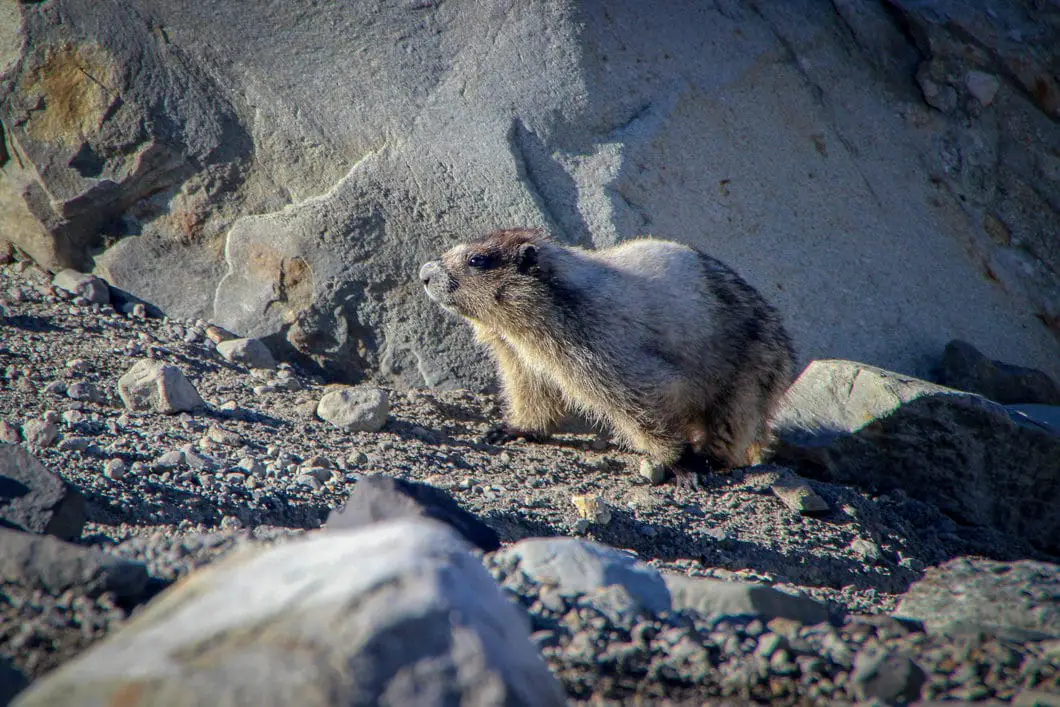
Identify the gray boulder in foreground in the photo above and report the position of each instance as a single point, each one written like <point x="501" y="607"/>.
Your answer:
<point x="1019" y="600"/>
<point x="398" y="613"/>
<point x="880" y="430"/>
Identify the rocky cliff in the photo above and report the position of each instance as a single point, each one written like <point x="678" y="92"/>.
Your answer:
<point x="887" y="172"/>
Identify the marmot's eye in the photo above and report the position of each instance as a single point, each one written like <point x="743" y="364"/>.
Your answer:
<point x="479" y="261"/>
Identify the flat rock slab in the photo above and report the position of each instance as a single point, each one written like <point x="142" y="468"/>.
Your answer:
<point x="576" y="567"/>
<point x="47" y="563"/>
<point x="1017" y="598"/>
<point x="879" y="430"/>
<point x="377" y="498"/>
<point x="398" y="613"/>
<point x="34" y="499"/>
<point x="714" y="597"/>
<point x="159" y="387"/>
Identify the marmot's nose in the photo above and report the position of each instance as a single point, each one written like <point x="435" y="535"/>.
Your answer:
<point x="428" y="271"/>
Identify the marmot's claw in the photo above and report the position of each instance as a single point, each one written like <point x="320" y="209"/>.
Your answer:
<point x="502" y="434"/>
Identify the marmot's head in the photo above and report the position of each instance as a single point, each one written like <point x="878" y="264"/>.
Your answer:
<point x="492" y="280"/>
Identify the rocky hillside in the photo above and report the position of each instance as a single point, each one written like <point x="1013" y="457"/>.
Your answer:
<point x="887" y="171"/>
<point x="910" y="558"/>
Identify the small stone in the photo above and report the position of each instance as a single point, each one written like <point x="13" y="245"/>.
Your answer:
<point x="318" y="472"/>
<point x="887" y="676"/>
<point x="982" y="86"/>
<point x="74" y="444"/>
<point x="139" y="310"/>
<point x="592" y="509"/>
<point x="9" y="434"/>
<point x="252" y="466"/>
<point x="310" y="481"/>
<point x="653" y="472"/>
<point x="250" y="352"/>
<point x="355" y="409"/>
<point x="139" y="468"/>
<point x="115" y="469"/>
<point x="223" y="436"/>
<point x="157" y="386"/>
<point x="867" y="550"/>
<point x="90" y="287"/>
<point x="40" y="433"/>
<point x="72" y="417"/>
<point x="357" y="459"/>
<point x="216" y="334"/>
<point x="798" y="495"/>
<point x="169" y="460"/>
<point x="56" y="388"/>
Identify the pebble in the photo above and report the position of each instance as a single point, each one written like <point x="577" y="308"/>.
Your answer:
<point x="592" y="509"/>
<point x="252" y="466"/>
<point x="115" y="469"/>
<point x="654" y="473"/>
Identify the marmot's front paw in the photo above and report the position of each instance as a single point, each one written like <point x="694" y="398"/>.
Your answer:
<point x="502" y="434"/>
<point x="687" y="479"/>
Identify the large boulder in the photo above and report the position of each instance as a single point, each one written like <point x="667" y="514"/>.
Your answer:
<point x="397" y="613"/>
<point x="862" y="425"/>
<point x="288" y="190"/>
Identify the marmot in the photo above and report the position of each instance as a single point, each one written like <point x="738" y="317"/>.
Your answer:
<point x="667" y="345"/>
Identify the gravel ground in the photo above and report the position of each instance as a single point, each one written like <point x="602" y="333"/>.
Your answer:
<point x="257" y="466"/>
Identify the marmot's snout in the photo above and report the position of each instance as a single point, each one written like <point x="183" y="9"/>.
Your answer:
<point x="436" y="282"/>
<point x="428" y="271"/>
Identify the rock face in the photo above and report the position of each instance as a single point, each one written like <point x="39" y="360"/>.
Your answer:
<point x="399" y="613"/>
<point x="36" y="500"/>
<point x="879" y="430"/>
<point x="1017" y="599"/>
<point x="289" y="190"/>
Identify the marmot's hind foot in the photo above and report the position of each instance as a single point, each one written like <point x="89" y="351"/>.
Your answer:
<point x="502" y="434"/>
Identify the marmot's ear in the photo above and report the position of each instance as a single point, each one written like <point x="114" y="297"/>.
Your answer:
<point x="527" y="258"/>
